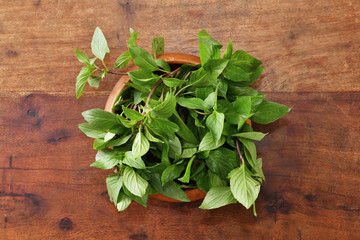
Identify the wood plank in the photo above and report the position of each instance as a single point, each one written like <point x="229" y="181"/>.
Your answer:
<point x="305" y="45"/>
<point x="311" y="167"/>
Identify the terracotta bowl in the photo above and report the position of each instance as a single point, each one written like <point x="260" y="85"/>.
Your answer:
<point x="171" y="58"/>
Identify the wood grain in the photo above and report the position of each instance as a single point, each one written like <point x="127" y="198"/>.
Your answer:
<point x="311" y="50"/>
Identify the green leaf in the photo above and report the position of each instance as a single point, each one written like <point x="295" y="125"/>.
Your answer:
<point x="169" y="189"/>
<point x="140" y="145"/>
<point x="114" y="183"/>
<point x="82" y="57"/>
<point x="186" y="177"/>
<point x="175" y="149"/>
<point x="173" y="82"/>
<point x="250" y="146"/>
<point x="215" y="123"/>
<point x="244" y="188"/>
<point x="143" y="78"/>
<point x="194" y="115"/>
<point x="166" y="108"/>
<point x="209" y="48"/>
<point x="132" y="162"/>
<point x="119" y="141"/>
<point x="123" y="202"/>
<point x="269" y="112"/>
<point x="141" y="200"/>
<point x="91" y="131"/>
<point x="208" y="143"/>
<point x="100" y="119"/>
<point x="215" y="180"/>
<point x="99" y="46"/>
<point x="134" y="182"/>
<point x="191" y="103"/>
<point x="151" y="137"/>
<point x="258" y="168"/>
<point x="218" y="197"/>
<point x="127" y="123"/>
<point x="157" y="45"/>
<point x="163" y="125"/>
<point x="142" y="58"/>
<point x="163" y="64"/>
<point x="215" y="66"/>
<point x="228" y="51"/>
<point x="109" y="136"/>
<point x="188" y="152"/>
<point x="203" y="92"/>
<point x="172" y="172"/>
<point x="257" y="136"/>
<point x="99" y="144"/>
<point x="123" y="60"/>
<point x="94" y="81"/>
<point x="236" y="73"/>
<point x="184" y="132"/>
<point x="132" y="114"/>
<point x="239" y="111"/>
<point x="209" y="102"/>
<point x="81" y="80"/>
<point x="105" y="160"/>
<point x="133" y="37"/>
<point x="221" y="161"/>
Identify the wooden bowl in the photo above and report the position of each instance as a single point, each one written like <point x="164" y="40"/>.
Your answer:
<point x="171" y="58"/>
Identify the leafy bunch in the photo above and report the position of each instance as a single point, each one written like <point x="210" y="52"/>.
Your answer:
<point x="176" y="127"/>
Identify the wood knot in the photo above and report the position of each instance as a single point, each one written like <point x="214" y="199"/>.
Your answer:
<point x="66" y="224"/>
<point x="278" y="205"/>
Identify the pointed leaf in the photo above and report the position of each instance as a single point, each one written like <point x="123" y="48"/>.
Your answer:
<point x="134" y="182"/>
<point x="218" y="197"/>
<point x="99" y="45"/>
<point x="140" y="145"/>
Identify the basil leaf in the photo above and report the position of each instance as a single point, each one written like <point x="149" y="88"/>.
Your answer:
<point x="143" y="78"/>
<point x="172" y="172"/>
<point x="133" y="37"/>
<point x="166" y="108"/>
<point x="109" y="136"/>
<point x="217" y="197"/>
<point x="221" y="161"/>
<point x="157" y="45"/>
<point x="132" y="114"/>
<point x="251" y="148"/>
<point x="123" y="60"/>
<point x="163" y="64"/>
<point x="141" y="200"/>
<point x="192" y="103"/>
<point x="184" y="132"/>
<point x="82" y="57"/>
<point x="99" y="46"/>
<point x="209" y="48"/>
<point x="228" y="51"/>
<point x="269" y="112"/>
<point x="114" y="184"/>
<point x="169" y="189"/>
<point x="123" y="202"/>
<point x="257" y="136"/>
<point x="215" y="180"/>
<point x="100" y="119"/>
<point x="94" y="81"/>
<point x="215" y="123"/>
<point x="208" y="143"/>
<point x="173" y="82"/>
<point x="105" y="160"/>
<point x="142" y="58"/>
<point x="91" y="131"/>
<point x="175" y="149"/>
<point x="244" y="188"/>
<point x="140" y="145"/>
<point x="163" y="125"/>
<point x="81" y="80"/>
<point x="150" y="137"/>
<point x="99" y="144"/>
<point x="188" y="152"/>
<point x="119" y="141"/>
<point x="132" y="162"/>
<point x="134" y="182"/>
<point x="258" y="168"/>
<point x="186" y="177"/>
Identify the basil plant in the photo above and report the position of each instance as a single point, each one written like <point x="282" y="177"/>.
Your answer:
<point x="178" y="127"/>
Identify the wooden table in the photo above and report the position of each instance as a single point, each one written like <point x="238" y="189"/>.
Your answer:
<point x="311" y="50"/>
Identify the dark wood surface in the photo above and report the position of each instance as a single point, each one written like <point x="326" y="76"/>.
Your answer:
<point x="311" y="50"/>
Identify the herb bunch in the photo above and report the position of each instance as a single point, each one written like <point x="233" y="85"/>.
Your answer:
<point x="179" y="127"/>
